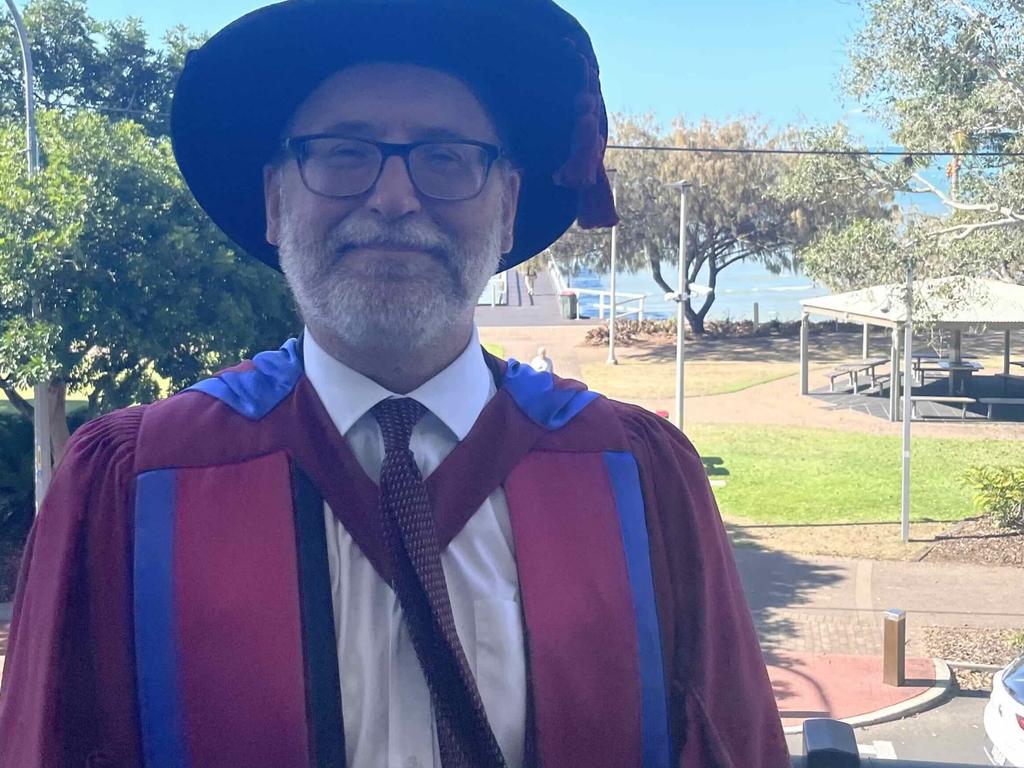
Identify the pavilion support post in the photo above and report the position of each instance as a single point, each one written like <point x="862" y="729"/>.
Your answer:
<point x="804" y="330"/>
<point x="1006" y="353"/>
<point x="955" y="354"/>
<point x="866" y="342"/>
<point x="894" y="383"/>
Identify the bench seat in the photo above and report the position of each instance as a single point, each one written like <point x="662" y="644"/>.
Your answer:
<point x="960" y="400"/>
<point x="994" y="401"/>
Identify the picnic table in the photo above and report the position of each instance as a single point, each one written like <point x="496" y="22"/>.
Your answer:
<point x="959" y="371"/>
<point x="854" y="370"/>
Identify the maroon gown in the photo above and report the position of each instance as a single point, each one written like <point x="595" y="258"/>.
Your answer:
<point x="208" y="641"/>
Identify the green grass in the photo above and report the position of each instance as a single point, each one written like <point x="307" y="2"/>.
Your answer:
<point x="495" y="349"/>
<point x="799" y="476"/>
<point x="631" y="379"/>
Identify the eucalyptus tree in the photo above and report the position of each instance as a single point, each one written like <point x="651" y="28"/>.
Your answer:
<point x="737" y="210"/>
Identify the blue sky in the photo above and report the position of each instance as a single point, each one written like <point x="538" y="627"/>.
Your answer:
<point x="780" y="59"/>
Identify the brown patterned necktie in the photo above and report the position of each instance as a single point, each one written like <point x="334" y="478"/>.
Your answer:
<point x="463" y="733"/>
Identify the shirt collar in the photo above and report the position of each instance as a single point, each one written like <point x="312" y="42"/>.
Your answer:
<point x="456" y="395"/>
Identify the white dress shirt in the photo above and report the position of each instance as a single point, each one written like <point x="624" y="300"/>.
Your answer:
<point x="385" y="700"/>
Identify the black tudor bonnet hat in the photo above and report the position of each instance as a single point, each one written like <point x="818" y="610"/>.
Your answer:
<point x="529" y="62"/>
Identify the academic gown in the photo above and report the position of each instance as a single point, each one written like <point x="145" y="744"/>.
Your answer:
<point x="174" y="603"/>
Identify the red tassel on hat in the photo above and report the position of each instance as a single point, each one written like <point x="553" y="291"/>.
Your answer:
<point x="584" y="170"/>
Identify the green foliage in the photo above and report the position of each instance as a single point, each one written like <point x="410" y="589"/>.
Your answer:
<point x="16" y="489"/>
<point x="945" y="77"/>
<point x="998" y="492"/>
<point x="84" y="64"/>
<point x="130" y="277"/>
<point x="17" y="492"/>
<point x="1017" y="641"/>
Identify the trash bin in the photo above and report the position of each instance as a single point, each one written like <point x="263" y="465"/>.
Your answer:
<point x="568" y="305"/>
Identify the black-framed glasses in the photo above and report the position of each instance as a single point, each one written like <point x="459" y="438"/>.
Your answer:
<point x="340" y="166"/>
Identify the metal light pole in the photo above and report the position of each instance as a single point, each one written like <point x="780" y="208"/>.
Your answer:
<point x="908" y="367"/>
<point x="681" y="296"/>
<point x="41" y="411"/>
<point x="613" y="176"/>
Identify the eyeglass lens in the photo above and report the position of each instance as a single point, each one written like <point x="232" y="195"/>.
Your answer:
<point x="446" y="170"/>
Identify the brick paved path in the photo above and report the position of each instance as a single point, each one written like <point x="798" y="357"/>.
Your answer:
<point x="827" y="605"/>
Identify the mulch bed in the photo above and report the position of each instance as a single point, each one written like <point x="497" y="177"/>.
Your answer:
<point x="974" y="646"/>
<point x="10" y="560"/>
<point x="981" y="542"/>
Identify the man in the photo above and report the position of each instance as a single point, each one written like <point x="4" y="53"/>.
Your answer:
<point x="541" y="362"/>
<point x="379" y="546"/>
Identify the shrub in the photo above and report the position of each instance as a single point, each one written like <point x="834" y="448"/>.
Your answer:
<point x="998" y="492"/>
<point x="17" y="492"/>
<point x="1017" y="641"/>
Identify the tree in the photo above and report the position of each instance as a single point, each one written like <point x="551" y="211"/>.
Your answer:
<point x="948" y="76"/>
<point x="85" y="64"/>
<point x="110" y="274"/>
<point x="736" y="211"/>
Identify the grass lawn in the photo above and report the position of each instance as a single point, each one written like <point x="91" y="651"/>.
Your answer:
<point x="790" y="475"/>
<point x="632" y="379"/>
<point x="495" y="349"/>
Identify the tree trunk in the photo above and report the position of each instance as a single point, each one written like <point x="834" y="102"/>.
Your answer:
<point x="655" y="263"/>
<point x="696" y="318"/>
<point x="21" y="405"/>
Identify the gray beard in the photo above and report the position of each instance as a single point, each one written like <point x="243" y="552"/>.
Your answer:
<point x="385" y="306"/>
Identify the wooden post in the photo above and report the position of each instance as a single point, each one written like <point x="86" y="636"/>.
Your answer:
<point x="894" y="647"/>
<point x="1006" y="353"/>
<point x="757" y="316"/>
<point x="866" y="342"/>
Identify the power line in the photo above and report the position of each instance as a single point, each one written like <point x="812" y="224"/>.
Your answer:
<point x="827" y="152"/>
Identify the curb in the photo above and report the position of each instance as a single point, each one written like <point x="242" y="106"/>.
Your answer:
<point x="930" y="698"/>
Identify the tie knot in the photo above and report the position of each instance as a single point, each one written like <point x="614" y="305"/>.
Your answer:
<point x="397" y="417"/>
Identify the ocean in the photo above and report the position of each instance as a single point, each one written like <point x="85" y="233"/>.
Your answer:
<point x="739" y="286"/>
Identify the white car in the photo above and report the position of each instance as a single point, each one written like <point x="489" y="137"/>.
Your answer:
<point x="1004" y="716"/>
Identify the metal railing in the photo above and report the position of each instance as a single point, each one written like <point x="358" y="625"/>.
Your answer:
<point x="604" y="303"/>
<point x="832" y="744"/>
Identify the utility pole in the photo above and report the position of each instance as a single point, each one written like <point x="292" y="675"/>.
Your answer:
<point x="613" y="174"/>
<point x="41" y="410"/>
<point x="908" y="367"/>
<point x="681" y="296"/>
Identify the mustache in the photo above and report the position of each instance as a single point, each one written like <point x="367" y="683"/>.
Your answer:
<point x="415" y="235"/>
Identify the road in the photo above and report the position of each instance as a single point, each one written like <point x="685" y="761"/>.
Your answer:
<point x="951" y="732"/>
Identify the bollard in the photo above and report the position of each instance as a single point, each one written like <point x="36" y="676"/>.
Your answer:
<point x="894" y="647"/>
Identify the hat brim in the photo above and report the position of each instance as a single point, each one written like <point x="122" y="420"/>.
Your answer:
<point x="238" y="91"/>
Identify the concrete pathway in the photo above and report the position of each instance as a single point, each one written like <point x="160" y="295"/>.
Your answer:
<point x="522" y="309"/>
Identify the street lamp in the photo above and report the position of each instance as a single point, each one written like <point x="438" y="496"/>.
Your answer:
<point x="41" y="411"/>
<point x="613" y="178"/>
<point x="680" y="299"/>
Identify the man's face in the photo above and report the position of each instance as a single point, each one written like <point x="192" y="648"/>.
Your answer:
<point x="389" y="267"/>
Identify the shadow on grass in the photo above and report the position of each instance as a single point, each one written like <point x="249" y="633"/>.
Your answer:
<point x="714" y="466"/>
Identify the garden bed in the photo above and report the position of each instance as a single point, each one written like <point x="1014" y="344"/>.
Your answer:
<point x="979" y="541"/>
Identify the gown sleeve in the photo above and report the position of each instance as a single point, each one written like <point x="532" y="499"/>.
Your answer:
<point x="721" y="703"/>
<point x="67" y="696"/>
